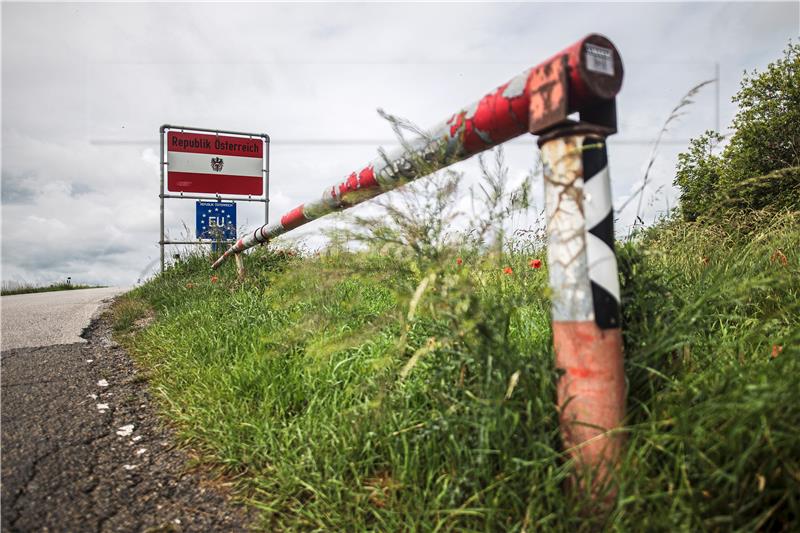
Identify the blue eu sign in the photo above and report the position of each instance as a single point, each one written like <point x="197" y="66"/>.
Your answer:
<point x="216" y="220"/>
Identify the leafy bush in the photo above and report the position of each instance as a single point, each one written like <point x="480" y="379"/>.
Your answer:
<point x="760" y="166"/>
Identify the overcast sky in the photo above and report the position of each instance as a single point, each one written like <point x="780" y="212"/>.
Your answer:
<point x="85" y="88"/>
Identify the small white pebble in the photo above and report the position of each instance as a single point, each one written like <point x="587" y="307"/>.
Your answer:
<point x="125" y="431"/>
<point x="137" y="438"/>
<point x="177" y="521"/>
<point x="90" y="360"/>
<point x="92" y="396"/>
<point x="102" y="407"/>
<point x="129" y="467"/>
<point x="140" y="451"/>
<point x="102" y="383"/>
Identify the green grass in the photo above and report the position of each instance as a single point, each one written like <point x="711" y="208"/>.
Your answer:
<point x="27" y="288"/>
<point x="339" y="409"/>
<point x="126" y="312"/>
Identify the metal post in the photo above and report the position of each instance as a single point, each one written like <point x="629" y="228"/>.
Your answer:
<point x="583" y="269"/>
<point x="716" y="96"/>
<point x="266" y="179"/>
<point x="161" y="196"/>
<point x="239" y="266"/>
<point x="586" y="300"/>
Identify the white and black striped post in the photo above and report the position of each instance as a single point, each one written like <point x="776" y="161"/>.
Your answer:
<point x="586" y="299"/>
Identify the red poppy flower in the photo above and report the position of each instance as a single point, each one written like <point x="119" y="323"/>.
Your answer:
<point x="459" y="261"/>
<point x="535" y="263"/>
<point x="214" y="278"/>
<point x="776" y="349"/>
<point x="508" y="270"/>
<point x="779" y="257"/>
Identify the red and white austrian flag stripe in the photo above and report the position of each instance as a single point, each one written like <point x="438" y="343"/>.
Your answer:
<point x="230" y="165"/>
<point x="199" y="153"/>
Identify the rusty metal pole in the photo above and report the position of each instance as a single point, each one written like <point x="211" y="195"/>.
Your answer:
<point x="583" y="269"/>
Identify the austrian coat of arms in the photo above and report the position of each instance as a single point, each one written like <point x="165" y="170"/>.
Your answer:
<point x="216" y="164"/>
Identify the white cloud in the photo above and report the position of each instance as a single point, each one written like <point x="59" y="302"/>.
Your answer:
<point x="76" y="74"/>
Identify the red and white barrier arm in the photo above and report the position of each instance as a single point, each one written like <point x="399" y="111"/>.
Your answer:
<point x="575" y="79"/>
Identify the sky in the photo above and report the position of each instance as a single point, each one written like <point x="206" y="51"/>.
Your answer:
<point x="85" y="88"/>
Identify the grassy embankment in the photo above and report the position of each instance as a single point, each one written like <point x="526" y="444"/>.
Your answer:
<point x="27" y="288"/>
<point x="347" y="393"/>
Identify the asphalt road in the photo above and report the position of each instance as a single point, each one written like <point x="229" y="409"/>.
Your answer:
<point x="82" y="446"/>
<point x="48" y="318"/>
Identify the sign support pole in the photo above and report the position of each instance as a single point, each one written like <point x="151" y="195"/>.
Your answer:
<point x="161" y="196"/>
<point x="239" y="266"/>
<point x="266" y="178"/>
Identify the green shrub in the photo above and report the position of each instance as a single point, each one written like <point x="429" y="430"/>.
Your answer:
<point x="760" y="166"/>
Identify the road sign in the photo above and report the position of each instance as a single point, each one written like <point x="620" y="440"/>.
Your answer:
<point x="195" y="162"/>
<point x="216" y="220"/>
<point x="215" y="164"/>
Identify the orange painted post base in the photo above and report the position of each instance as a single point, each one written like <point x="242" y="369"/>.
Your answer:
<point x="591" y="398"/>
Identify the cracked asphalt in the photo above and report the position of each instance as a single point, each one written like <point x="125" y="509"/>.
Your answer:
<point x="83" y="448"/>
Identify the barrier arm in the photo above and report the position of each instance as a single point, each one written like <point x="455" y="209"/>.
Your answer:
<point x="583" y="78"/>
<point x="501" y="115"/>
